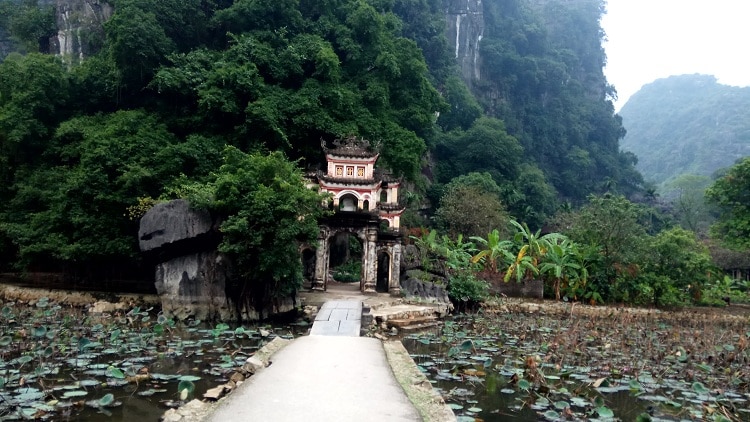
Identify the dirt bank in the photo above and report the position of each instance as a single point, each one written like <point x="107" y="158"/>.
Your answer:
<point x="733" y="313"/>
<point x="31" y="295"/>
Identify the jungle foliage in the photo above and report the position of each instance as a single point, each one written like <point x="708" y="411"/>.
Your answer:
<point x="731" y="193"/>
<point x="269" y="212"/>
<point x="174" y="82"/>
<point x="604" y="252"/>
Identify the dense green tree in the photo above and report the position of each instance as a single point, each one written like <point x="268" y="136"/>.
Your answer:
<point x="731" y="193"/>
<point x="687" y="193"/>
<point x="29" y="23"/>
<point x="485" y="147"/>
<point x="675" y="266"/>
<point x="612" y="224"/>
<point x="71" y="213"/>
<point x="267" y="211"/>
<point x="33" y="95"/>
<point x="463" y="107"/>
<point x="531" y="196"/>
<point x="138" y="45"/>
<point x="470" y="211"/>
<point x="326" y="74"/>
<point x="424" y="22"/>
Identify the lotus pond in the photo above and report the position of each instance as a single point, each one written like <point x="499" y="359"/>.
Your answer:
<point x="62" y="364"/>
<point x="529" y="367"/>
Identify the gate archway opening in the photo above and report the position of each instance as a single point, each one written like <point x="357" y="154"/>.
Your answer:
<point x="308" y="266"/>
<point x="346" y="259"/>
<point x="384" y="272"/>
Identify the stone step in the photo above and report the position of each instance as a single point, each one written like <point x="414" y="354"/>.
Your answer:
<point x="407" y="312"/>
<point x="418" y="327"/>
<point x="366" y="321"/>
<point x="408" y="322"/>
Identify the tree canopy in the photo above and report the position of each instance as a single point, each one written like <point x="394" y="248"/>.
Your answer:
<point x="172" y="82"/>
<point x="731" y="193"/>
<point x="268" y="211"/>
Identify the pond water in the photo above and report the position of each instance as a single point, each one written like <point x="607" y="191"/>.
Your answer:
<point x="530" y="367"/>
<point x="61" y="364"/>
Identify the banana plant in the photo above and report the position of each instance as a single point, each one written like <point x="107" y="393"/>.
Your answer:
<point x="494" y="251"/>
<point x="531" y="248"/>
<point x="457" y="253"/>
<point x="560" y="264"/>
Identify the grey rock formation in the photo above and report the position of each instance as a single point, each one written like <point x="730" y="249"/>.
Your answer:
<point x="170" y="222"/>
<point x="410" y="258"/>
<point x="194" y="286"/>
<point x="425" y="290"/>
<point x="80" y="26"/>
<point x="191" y="276"/>
<point x="465" y="28"/>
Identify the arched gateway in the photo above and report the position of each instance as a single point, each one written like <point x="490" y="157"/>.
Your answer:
<point x="365" y="205"/>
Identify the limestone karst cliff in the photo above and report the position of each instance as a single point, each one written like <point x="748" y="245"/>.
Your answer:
<point x="80" y="27"/>
<point x="465" y="28"/>
<point x="80" y="30"/>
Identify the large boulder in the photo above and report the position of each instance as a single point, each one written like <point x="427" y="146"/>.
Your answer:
<point x="424" y="290"/>
<point x="410" y="258"/>
<point x="192" y="278"/>
<point x="169" y="223"/>
<point x="194" y="286"/>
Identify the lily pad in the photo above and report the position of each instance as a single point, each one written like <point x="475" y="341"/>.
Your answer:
<point x="605" y="412"/>
<point x="74" y="393"/>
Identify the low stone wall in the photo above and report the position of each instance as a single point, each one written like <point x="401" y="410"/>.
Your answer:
<point x="533" y="289"/>
<point x="428" y="402"/>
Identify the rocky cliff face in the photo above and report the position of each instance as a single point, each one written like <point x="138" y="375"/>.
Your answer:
<point x="80" y="26"/>
<point x="465" y="28"/>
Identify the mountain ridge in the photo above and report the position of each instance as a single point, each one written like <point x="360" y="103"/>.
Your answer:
<point x="686" y="124"/>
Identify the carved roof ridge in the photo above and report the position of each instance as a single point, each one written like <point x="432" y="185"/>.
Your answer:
<point x="351" y="146"/>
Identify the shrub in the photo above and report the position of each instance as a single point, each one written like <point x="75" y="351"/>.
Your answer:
<point x="466" y="291"/>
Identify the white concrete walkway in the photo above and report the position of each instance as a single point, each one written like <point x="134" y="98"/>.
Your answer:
<point x="321" y="378"/>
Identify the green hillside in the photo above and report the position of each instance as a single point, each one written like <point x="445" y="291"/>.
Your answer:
<point x="175" y="81"/>
<point x="686" y="124"/>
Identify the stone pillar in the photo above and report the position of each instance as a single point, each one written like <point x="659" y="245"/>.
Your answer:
<point x="394" y="283"/>
<point x="321" y="261"/>
<point x="371" y="261"/>
<point x="360" y="204"/>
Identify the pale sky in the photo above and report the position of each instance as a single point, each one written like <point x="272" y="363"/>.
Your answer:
<point x="652" y="39"/>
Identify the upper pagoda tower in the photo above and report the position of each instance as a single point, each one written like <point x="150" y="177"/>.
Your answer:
<point x="354" y="183"/>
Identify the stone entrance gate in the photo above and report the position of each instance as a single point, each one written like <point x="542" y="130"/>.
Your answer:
<point x="375" y="242"/>
<point x="365" y="204"/>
